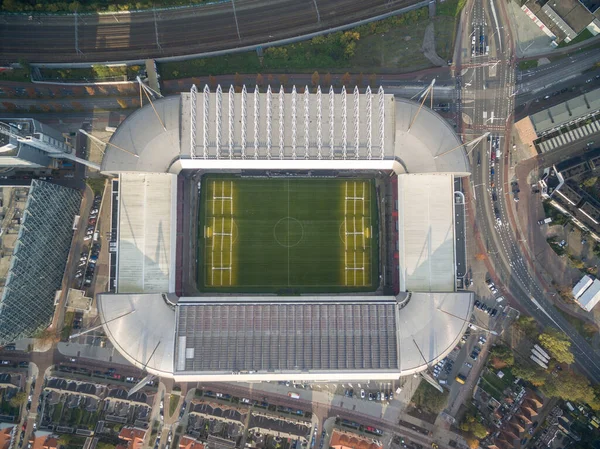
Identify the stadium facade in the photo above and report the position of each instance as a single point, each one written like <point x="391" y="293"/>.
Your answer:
<point x="38" y="261"/>
<point x="160" y="325"/>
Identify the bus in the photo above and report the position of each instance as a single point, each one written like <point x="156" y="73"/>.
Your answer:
<point x="461" y="379"/>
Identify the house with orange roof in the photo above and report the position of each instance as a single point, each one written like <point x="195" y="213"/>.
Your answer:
<point x="133" y="436"/>
<point x="5" y="436"/>
<point x="45" y="442"/>
<point x="189" y="443"/>
<point x="347" y="440"/>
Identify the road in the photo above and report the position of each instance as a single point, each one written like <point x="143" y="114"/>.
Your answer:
<point x="499" y="239"/>
<point x="179" y="31"/>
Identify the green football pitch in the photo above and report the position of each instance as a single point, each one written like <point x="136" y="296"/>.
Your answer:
<point x="292" y="235"/>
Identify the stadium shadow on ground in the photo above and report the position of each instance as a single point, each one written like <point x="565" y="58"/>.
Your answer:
<point x="287" y="236"/>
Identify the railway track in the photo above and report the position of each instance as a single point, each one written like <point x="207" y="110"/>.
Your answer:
<point x="164" y="33"/>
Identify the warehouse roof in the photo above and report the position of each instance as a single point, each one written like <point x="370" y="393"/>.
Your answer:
<point x="582" y="286"/>
<point x="568" y="111"/>
<point x="426" y="233"/>
<point x="573" y="13"/>
<point x="590" y="297"/>
<point x="147" y="214"/>
<point x="308" y="337"/>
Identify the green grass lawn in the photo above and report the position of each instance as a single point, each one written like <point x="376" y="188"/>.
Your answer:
<point x="526" y="65"/>
<point x="584" y="35"/>
<point x="287" y="235"/>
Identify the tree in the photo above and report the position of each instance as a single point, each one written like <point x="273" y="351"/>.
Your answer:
<point x="22" y="62"/>
<point x="471" y="424"/>
<point x="359" y="80"/>
<point x="101" y="71"/>
<point x="314" y="79"/>
<point x="478" y="430"/>
<point x="535" y="376"/>
<point x="502" y="356"/>
<point x="528" y="325"/>
<point x="270" y="79"/>
<point x="9" y="106"/>
<point x="373" y="80"/>
<point x="260" y="80"/>
<point x="125" y="89"/>
<point x="345" y="79"/>
<point x="327" y="79"/>
<point x="31" y="93"/>
<point x="589" y="182"/>
<point x="238" y="80"/>
<point x="558" y="345"/>
<point x="122" y="103"/>
<point x="472" y="442"/>
<point x="18" y="399"/>
<point x="283" y="79"/>
<point x="570" y="387"/>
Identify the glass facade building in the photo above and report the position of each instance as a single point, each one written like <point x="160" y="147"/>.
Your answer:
<point x="38" y="262"/>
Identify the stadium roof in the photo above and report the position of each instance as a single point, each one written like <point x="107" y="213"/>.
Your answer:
<point x="426" y="233"/>
<point x="147" y="214"/>
<point x="142" y="328"/>
<point x="308" y="337"/>
<point x="388" y="137"/>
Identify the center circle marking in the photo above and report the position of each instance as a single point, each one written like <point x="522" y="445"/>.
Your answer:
<point x="288" y="232"/>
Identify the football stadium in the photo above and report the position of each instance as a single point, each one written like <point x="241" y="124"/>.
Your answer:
<point x="284" y="235"/>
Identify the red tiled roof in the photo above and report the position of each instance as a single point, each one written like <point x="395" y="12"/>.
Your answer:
<point x="189" y="443"/>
